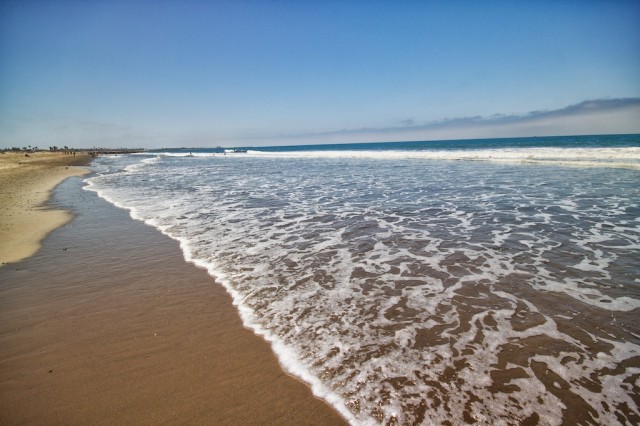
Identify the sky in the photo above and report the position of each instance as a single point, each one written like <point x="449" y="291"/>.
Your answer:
<point x="197" y="73"/>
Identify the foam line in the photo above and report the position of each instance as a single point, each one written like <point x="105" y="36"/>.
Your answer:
<point x="373" y="280"/>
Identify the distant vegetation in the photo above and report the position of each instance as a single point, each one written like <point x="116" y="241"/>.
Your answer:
<point x="31" y="149"/>
<point x="68" y="150"/>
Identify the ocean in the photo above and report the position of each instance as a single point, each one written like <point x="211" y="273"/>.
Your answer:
<point x="479" y="281"/>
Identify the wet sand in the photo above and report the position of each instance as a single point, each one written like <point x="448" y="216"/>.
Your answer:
<point x="25" y="185"/>
<point x="107" y="324"/>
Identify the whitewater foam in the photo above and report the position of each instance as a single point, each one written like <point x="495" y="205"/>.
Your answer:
<point x="401" y="292"/>
<point x="628" y="157"/>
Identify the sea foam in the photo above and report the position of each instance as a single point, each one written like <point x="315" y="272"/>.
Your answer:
<point x="413" y="288"/>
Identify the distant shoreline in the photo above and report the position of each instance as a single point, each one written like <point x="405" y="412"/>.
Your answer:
<point x="26" y="181"/>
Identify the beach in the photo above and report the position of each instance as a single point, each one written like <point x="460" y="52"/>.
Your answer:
<point x="107" y="324"/>
<point x="401" y="284"/>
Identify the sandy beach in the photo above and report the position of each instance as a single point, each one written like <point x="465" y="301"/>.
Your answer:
<point x="25" y="186"/>
<point x="107" y="324"/>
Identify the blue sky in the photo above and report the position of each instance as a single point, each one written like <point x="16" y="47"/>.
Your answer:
<point x="207" y="73"/>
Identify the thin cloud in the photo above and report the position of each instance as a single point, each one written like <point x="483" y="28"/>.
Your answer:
<point x="598" y="116"/>
<point x="590" y="107"/>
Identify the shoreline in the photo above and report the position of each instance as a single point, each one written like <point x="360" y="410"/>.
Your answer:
<point x="107" y="323"/>
<point x="26" y="183"/>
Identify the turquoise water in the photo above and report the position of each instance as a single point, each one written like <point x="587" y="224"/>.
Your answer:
<point x="494" y="281"/>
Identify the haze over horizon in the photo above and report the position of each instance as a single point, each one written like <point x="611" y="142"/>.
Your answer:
<point x="159" y="74"/>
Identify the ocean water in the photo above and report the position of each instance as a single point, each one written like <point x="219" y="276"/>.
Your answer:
<point x="488" y="282"/>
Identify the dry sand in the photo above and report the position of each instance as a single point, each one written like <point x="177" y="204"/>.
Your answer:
<point x="25" y="184"/>
<point x="107" y="324"/>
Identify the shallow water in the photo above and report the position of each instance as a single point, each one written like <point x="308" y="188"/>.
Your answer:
<point x="406" y="287"/>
